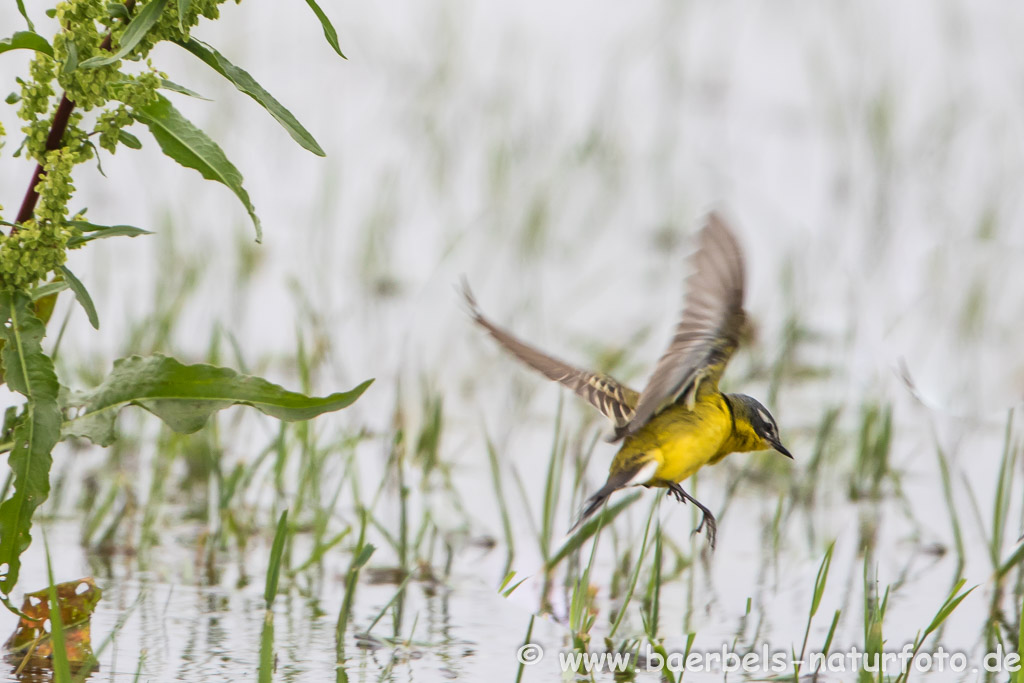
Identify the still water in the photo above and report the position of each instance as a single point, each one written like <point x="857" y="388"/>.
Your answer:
<point x="560" y="158"/>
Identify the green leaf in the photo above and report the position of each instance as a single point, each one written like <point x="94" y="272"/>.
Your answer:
<point x="329" y="33"/>
<point x="274" y="568"/>
<point x="133" y="35"/>
<point x="248" y="85"/>
<point x="174" y="87"/>
<point x="821" y="579"/>
<point x="21" y="9"/>
<point x="182" y="141"/>
<point x="117" y="10"/>
<point x="61" y="667"/>
<point x="96" y="232"/>
<point x="185" y="396"/>
<point x="183" y="6"/>
<point x="71" y="63"/>
<point x="83" y="297"/>
<point x="26" y="40"/>
<point x="30" y="373"/>
<point x="1019" y="676"/>
<point x="49" y="288"/>
<point x="128" y="140"/>
<point x="591" y="527"/>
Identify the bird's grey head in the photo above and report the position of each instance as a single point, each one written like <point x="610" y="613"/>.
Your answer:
<point x="761" y="421"/>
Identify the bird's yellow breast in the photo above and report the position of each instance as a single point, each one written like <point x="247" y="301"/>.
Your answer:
<point x="679" y="439"/>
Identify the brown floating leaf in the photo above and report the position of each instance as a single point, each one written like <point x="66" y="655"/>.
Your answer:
<point x="31" y="638"/>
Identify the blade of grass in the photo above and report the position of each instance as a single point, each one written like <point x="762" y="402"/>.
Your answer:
<point x="951" y="602"/>
<point x="551" y="486"/>
<point x="499" y="496"/>
<point x="361" y="555"/>
<point x="61" y="668"/>
<point x="828" y="642"/>
<point x="1001" y="504"/>
<point x="1018" y="677"/>
<point x="602" y="518"/>
<point x="274" y="568"/>
<point x="581" y="618"/>
<point x="526" y="642"/>
<point x="947" y="491"/>
<point x="636" y="569"/>
<point x="266" y="670"/>
<point x="819" y="590"/>
<point x="383" y="611"/>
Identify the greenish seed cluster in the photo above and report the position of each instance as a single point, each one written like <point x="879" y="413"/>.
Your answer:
<point x="38" y="245"/>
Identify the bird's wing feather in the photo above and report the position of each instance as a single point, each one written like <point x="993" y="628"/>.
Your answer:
<point x="614" y="400"/>
<point x="708" y="331"/>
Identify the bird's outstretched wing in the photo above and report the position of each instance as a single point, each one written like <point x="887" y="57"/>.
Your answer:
<point x="708" y="331"/>
<point x="614" y="400"/>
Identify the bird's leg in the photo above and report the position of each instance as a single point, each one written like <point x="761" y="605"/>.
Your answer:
<point x="676" y="491"/>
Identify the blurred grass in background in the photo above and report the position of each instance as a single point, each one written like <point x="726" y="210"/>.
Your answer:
<point x="561" y="158"/>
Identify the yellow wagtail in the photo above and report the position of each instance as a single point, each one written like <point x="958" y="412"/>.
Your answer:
<point x="681" y="421"/>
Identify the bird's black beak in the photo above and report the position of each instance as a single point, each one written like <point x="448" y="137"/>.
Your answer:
<point x="782" y="449"/>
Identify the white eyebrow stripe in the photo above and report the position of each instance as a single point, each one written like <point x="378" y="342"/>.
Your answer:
<point x="765" y="417"/>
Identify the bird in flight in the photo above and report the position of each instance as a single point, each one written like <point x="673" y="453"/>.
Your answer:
<point x="681" y="421"/>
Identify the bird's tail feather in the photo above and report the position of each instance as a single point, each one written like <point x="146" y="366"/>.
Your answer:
<point x="593" y="504"/>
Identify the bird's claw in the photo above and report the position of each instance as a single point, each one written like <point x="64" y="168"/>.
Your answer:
<point x="712" y="528"/>
<point x="707" y="519"/>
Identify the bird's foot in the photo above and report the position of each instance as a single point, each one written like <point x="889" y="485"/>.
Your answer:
<point x="707" y="518"/>
<point x="677" y="492"/>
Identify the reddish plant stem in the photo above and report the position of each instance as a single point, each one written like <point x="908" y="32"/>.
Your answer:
<point x="53" y="141"/>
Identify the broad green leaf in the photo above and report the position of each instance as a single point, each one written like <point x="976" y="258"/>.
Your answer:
<point x="136" y="31"/>
<point x="248" y="85"/>
<point x="182" y="141"/>
<point x="87" y="232"/>
<point x="329" y="33"/>
<point x="185" y="396"/>
<point x="30" y="373"/>
<point x="82" y="294"/>
<point x="26" y="40"/>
